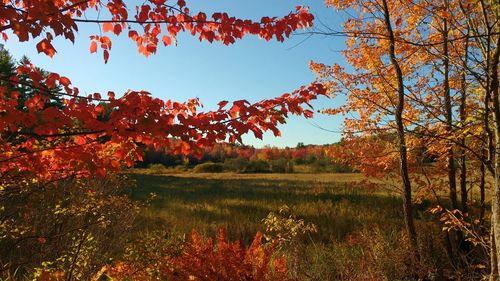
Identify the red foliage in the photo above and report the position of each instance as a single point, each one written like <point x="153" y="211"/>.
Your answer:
<point x="206" y="260"/>
<point x="91" y="135"/>
<point x="153" y="20"/>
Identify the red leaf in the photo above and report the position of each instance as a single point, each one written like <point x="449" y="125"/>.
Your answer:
<point x="166" y="40"/>
<point x="46" y="47"/>
<point x="107" y="26"/>
<point x="222" y="103"/>
<point x="80" y="140"/>
<point x="106" y="56"/>
<point x="101" y="172"/>
<point x="93" y="47"/>
<point x="117" y="29"/>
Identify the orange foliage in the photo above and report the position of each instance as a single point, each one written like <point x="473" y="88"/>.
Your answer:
<point x="207" y="260"/>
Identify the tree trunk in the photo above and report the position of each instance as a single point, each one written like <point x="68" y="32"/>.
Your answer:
<point x="493" y="257"/>
<point x="463" y="117"/>
<point x="482" y="198"/>
<point x="403" y="157"/>
<point x="449" y="117"/>
<point x="495" y="202"/>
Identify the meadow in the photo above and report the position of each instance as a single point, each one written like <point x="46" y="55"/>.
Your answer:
<point x="359" y="228"/>
<point x="205" y="202"/>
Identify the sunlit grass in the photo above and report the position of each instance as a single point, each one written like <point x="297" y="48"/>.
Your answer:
<point x="206" y="202"/>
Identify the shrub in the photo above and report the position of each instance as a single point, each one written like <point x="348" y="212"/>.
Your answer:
<point x="281" y="165"/>
<point x="321" y="166"/>
<point x="257" y="166"/>
<point x="149" y="257"/>
<point x="72" y="226"/>
<point x="341" y="168"/>
<point x="209" y="167"/>
<point x="200" y="259"/>
<point x="156" y="169"/>
<point x="223" y="260"/>
<point x="236" y="164"/>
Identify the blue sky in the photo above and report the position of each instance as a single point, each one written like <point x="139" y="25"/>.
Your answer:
<point x="251" y="69"/>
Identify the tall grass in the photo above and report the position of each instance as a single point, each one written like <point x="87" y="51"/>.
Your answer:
<point x="360" y="235"/>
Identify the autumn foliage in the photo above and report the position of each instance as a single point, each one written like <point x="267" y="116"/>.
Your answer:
<point x="93" y="134"/>
<point x="421" y="111"/>
<point x="152" y="21"/>
<point x="205" y="259"/>
<point x="100" y="132"/>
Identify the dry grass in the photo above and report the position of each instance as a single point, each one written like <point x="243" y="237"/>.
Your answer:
<point x="334" y="202"/>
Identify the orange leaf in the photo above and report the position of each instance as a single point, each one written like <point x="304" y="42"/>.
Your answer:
<point x="107" y="26"/>
<point x="167" y="40"/>
<point x="80" y="140"/>
<point x="64" y="81"/>
<point x="46" y="47"/>
<point x="93" y="47"/>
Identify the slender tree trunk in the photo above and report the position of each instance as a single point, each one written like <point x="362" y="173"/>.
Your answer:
<point x="456" y="237"/>
<point x="482" y="198"/>
<point x="495" y="202"/>
<point x="403" y="157"/>
<point x="463" y="117"/>
<point x="493" y="257"/>
<point x="449" y="117"/>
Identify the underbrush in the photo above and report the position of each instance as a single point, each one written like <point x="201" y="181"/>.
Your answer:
<point x="72" y="226"/>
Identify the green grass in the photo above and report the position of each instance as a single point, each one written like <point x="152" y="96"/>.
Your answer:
<point x="239" y="202"/>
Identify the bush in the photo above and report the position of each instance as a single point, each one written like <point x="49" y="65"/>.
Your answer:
<point x="209" y="167"/>
<point x="222" y="260"/>
<point x="281" y="165"/>
<point x="321" y="166"/>
<point x="257" y="166"/>
<point x="341" y="168"/>
<point x="156" y="169"/>
<point x="204" y="259"/>
<point x="236" y="164"/>
<point x="73" y="226"/>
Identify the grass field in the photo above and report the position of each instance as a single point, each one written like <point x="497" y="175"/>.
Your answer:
<point x="360" y="234"/>
<point x="205" y="202"/>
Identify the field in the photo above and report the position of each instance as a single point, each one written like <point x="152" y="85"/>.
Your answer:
<point x="335" y="203"/>
<point x="359" y="229"/>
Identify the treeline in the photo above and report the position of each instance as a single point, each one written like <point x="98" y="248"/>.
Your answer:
<point x="248" y="159"/>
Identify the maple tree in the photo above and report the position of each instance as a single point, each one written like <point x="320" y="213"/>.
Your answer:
<point x="50" y="138"/>
<point x="46" y="141"/>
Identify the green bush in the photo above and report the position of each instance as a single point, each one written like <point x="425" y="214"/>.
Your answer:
<point x="209" y="167"/>
<point x="341" y="168"/>
<point x="156" y="169"/>
<point x="74" y="225"/>
<point x="236" y="164"/>
<point x="257" y="166"/>
<point x="281" y="165"/>
<point x="321" y="166"/>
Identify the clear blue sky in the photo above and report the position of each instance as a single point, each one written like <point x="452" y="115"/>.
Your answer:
<point x="251" y="69"/>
